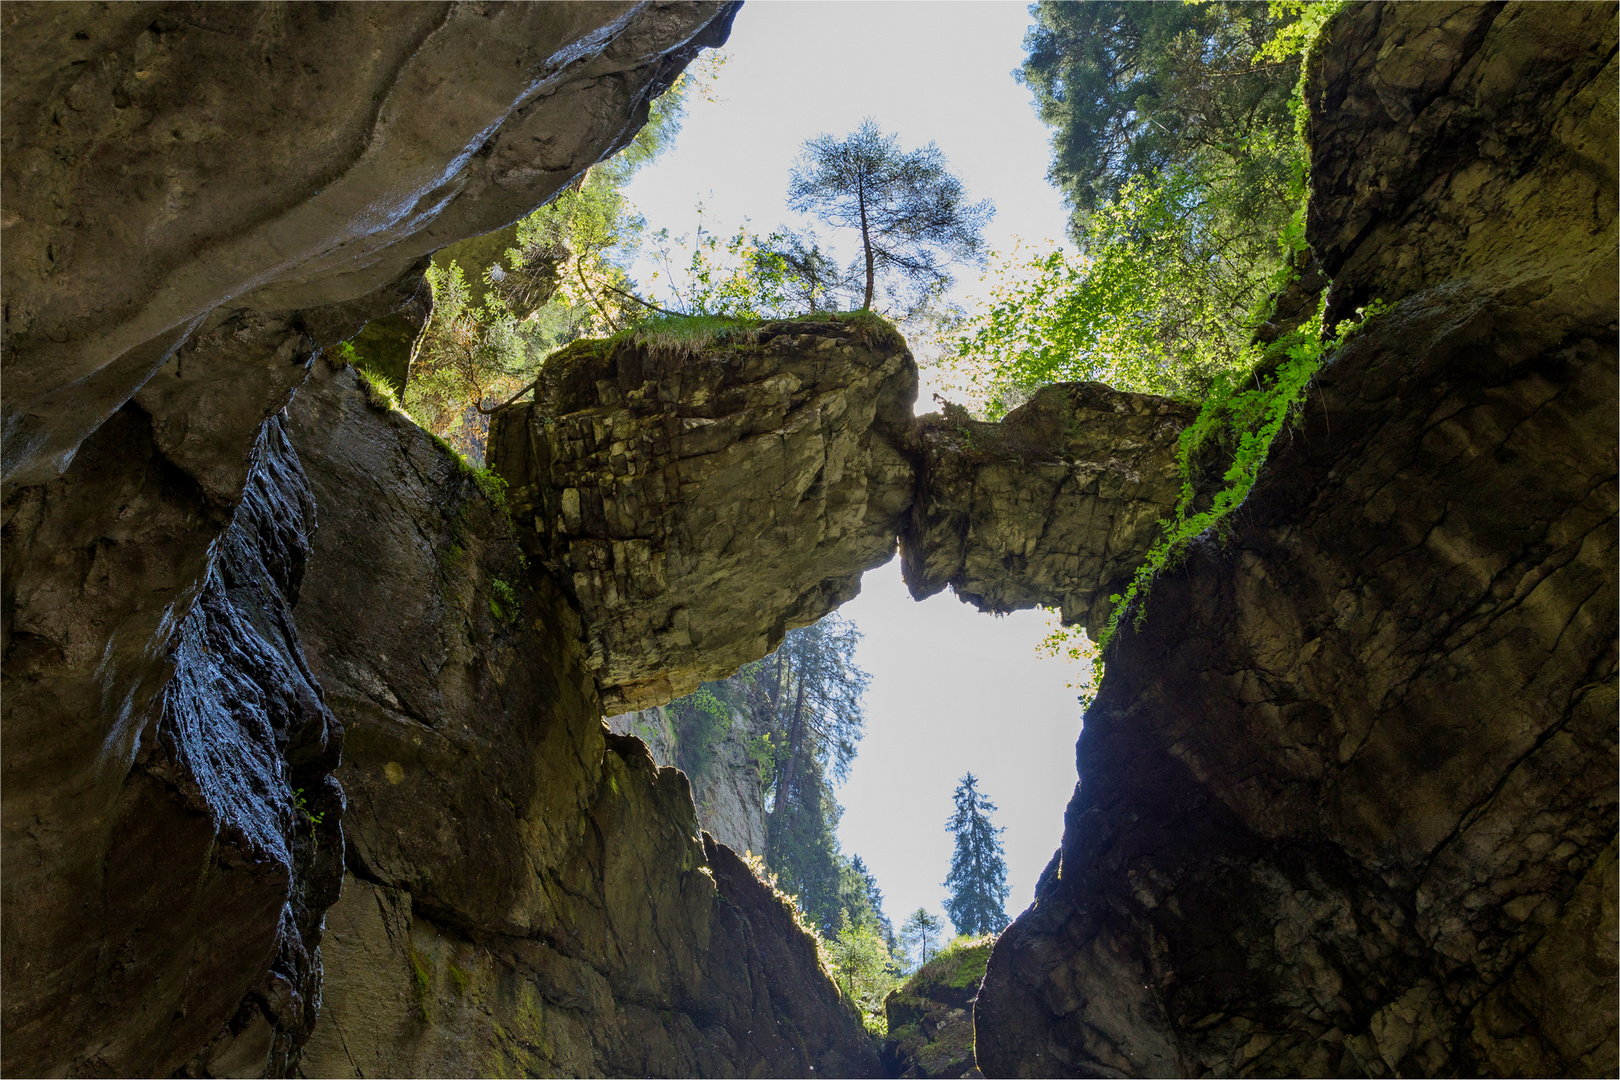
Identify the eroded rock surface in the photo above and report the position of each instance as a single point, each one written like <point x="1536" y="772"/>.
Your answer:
<point x="1054" y="506"/>
<point x="527" y="891"/>
<point x="180" y="159"/>
<point x="701" y="501"/>
<point x="1351" y="788"/>
<point x="171" y="826"/>
<point x="930" y="1016"/>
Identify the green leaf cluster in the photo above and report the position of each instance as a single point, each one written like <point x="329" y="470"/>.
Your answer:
<point x="1243" y="418"/>
<point x="1178" y="145"/>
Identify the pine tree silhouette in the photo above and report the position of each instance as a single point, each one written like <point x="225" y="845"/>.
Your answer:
<point x="978" y="877"/>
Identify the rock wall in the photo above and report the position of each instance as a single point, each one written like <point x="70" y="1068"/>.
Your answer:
<point x="173" y="829"/>
<point x="1054" y="506"/>
<point x="184" y="162"/>
<point x="727" y="791"/>
<point x="213" y="193"/>
<point x="527" y="892"/>
<point x="930" y="1015"/>
<point x="699" y="500"/>
<point x="1347" y="799"/>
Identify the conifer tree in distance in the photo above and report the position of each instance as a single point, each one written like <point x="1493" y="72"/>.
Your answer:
<point x="978" y="877"/>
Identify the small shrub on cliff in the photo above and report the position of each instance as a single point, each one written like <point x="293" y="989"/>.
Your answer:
<point x="1243" y="417"/>
<point x="865" y="971"/>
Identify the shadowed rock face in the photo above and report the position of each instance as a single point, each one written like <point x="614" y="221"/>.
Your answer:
<point x="198" y="197"/>
<point x="167" y="874"/>
<point x="527" y="892"/>
<point x="1347" y="798"/>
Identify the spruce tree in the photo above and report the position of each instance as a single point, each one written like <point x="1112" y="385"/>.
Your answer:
<point x="978" y="877"/>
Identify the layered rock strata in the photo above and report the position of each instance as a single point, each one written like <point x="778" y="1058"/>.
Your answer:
<point x="700" y="500"/>
<point x="527" y="892"/>
<point x="1054" y="506"/>
<point x="1347" y="798"/>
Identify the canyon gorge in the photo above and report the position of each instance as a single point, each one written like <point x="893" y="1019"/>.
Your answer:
<point x="304" y="763"/>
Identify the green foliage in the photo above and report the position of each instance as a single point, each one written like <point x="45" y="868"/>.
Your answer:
<point x="1244" y="418"/>
<point x="421" y="981"/>
<point x="493" y="324"/>
<point x="492" y="485"/>
<point x="1133" y="90"/>
<point x="977" y="882"/>
<point x="702" y="720"/>
<point x="911" y="213"/>
<point x="1163" y="301"/>
<point x="1178" y="146"/>
<point x="504" y="604"/>
<point x="864" y="970"/>
<point x="962" y="962"/>
<point x="460" y="979"/>
<point x="802" y="718"/>
<point x="378" y="388"/>
<point x="465" y="353"/>
<point x="301" y="807"/>
<point x="689" y="334"/>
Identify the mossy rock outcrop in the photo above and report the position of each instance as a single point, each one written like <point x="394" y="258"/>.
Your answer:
<point x="931" y="1015"/>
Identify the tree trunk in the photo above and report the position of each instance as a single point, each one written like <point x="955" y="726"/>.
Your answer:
<point x="866" y="241"/>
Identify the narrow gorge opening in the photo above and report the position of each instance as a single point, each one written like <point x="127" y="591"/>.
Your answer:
<point x="336" y="517"/>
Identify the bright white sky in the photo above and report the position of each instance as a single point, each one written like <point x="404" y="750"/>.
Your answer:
<point x="952" y="690"/>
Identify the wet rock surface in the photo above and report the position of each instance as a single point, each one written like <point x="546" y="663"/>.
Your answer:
<point x="166" y="877"/>
<point x="528" y="892"/>
<point x="1351" y="787"/>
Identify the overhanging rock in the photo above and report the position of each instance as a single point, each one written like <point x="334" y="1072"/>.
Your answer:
<point x="1055" y="506"/>
<point x="702" y="500"/>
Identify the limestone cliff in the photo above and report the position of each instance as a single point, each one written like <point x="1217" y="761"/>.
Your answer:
<point x="1347" y="798"/>
<point x="527" y="892"/>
